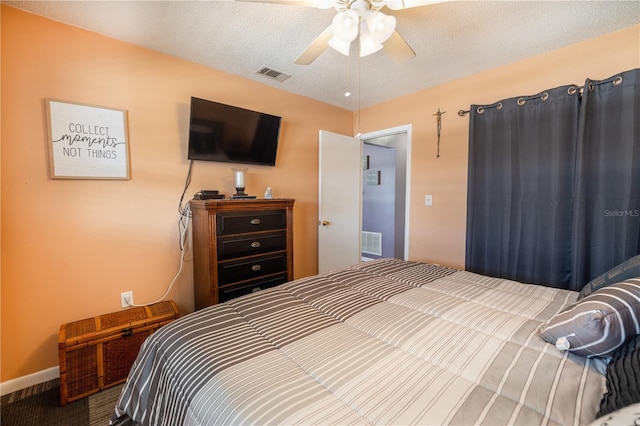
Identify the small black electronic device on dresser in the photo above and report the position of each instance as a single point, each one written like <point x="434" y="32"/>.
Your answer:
<point x="239" y="247"/>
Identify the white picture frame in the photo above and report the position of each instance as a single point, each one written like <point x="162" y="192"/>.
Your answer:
<point x="87" y="141"/>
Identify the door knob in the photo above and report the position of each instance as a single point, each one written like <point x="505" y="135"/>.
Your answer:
<point x="324" y="223"/>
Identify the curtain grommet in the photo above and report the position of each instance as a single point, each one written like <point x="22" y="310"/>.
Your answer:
<point x="545" y="96"/>
<point x="499" y="106"/>
<point x="572" y="90"/>
<point x="617" y="80"/>
<point x="480" y="110"/>
<point x="521" y="101"/>
<point x="592" y="86"/>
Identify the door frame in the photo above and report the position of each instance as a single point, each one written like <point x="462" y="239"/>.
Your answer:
<point x="389" y="132"/>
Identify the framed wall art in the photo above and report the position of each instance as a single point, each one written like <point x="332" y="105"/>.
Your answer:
<point x="86" y="141"/>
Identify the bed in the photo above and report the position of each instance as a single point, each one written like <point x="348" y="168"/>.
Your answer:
<point x="380" y="342"/>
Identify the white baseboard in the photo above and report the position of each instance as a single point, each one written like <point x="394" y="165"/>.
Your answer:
<point x="29" y="380"/>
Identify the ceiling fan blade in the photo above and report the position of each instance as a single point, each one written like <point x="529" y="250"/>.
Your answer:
<point x="406" y="4"/>
<point x="397" y="48"/>
<point x="320" y="4"/>
<point x="315" y="48"/>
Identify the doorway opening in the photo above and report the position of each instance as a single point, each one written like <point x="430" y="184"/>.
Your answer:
<point x="385" y="194"/>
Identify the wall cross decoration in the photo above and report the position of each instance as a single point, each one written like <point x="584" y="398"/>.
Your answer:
<point x="438" y="116"/>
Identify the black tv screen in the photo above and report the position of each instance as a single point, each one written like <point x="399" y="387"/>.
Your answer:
<point x="225" y="133"/>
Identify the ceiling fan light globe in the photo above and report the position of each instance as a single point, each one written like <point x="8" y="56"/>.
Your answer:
<point x="367" y="49"/>
<point x="340" y="45"/>
<point x="367" y="44"/>
<point x="380" y="26"/>
<point x="345" y="25"/>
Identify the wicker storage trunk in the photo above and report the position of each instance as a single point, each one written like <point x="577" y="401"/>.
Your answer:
<point x="96" y="353"/>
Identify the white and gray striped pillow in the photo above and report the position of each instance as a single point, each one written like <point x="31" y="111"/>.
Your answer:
<point x="599" y="323"/>
<point x="628" y="269"/>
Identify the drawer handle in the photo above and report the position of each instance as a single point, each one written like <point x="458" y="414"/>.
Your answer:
<point x="256" y="268"/>
<point x="256" y="289"/>
<point x="255" y="221"/>
<point x="255" y="244"/>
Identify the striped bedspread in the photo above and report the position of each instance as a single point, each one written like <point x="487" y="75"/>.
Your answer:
<point x="381" y="342"/>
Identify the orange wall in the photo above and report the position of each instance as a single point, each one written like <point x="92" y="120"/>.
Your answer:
<point x="72" y="246"/>
<point x="438" y="232"/>
<point x="69" y="247"/>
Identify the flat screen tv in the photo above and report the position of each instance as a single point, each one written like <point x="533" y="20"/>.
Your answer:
<point x="225" y="133"/>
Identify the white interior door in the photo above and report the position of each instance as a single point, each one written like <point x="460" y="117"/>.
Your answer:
<point x="340" y="201"/>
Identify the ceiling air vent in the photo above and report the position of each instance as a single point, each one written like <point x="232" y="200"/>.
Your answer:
<point x="271" y="73"/>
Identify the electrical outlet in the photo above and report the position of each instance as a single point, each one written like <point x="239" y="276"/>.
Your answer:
<point x="126" y="299"/>
<point x="428" y="200"/>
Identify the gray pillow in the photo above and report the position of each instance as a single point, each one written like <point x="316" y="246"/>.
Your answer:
<point x="598" y="324"/>
<point x="628" y="269"/>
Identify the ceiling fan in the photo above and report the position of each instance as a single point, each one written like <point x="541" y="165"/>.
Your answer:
<point x="355" y="18"/>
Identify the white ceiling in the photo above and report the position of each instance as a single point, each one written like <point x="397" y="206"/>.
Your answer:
<point x="451" y="40"/>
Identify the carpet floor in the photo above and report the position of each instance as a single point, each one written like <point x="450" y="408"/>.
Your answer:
<point x="40" y="405"/>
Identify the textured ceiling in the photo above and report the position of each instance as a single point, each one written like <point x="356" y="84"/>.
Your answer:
<point x="451" y="40"/>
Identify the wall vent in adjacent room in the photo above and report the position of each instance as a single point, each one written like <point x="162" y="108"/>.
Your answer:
<point x="274" y="74"/>
<point x="372" y="243"/>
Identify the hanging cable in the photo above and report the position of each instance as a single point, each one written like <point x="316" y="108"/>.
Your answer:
<point x="183" y="234"/>
<point x="183" y="237"/>
<point x="359" y="133"/>
<point x="186" y="185"/>
<point x="184" y="211"/>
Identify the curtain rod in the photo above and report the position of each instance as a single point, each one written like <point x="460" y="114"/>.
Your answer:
<point x="572" y="90"/>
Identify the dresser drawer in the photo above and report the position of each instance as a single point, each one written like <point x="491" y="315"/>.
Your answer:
<point x="241" y="222"/>
<point x="246" y="269"/>
<point x="233" y="291"/>
<point x="232" y="247"/>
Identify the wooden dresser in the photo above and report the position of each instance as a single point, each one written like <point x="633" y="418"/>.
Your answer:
<point x="239" y="247"/>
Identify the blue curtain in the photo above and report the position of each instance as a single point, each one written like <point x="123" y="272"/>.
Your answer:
<point x="607" y="214"/>
<point x="520" y="187"/>
<point x="532" y="184"/>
